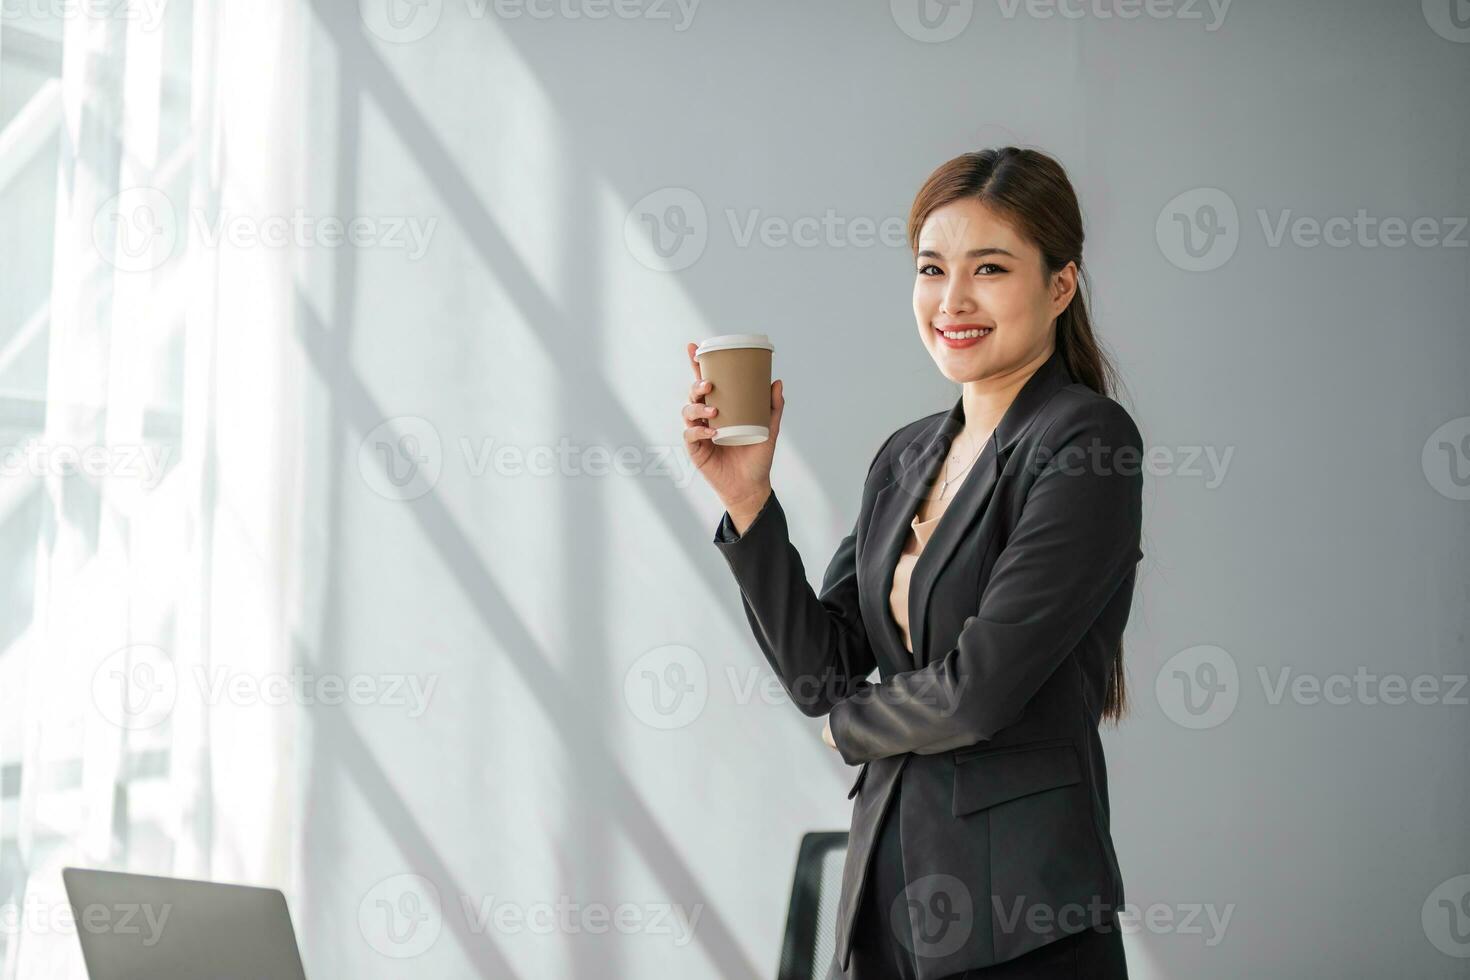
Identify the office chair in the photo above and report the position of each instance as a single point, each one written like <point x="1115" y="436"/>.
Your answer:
<point x="811" y="920"/>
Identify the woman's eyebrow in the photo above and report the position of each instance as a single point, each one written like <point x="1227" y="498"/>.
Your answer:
<point x="974" y="253"/>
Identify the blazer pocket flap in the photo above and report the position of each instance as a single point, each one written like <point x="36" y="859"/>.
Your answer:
<point x="857" y="782"/>
<point x="985" y="779"/>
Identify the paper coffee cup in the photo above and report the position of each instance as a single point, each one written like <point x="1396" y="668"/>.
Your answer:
<point x="738" y="365"/>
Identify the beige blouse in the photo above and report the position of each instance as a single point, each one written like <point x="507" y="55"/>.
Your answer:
<point x="898" y="596"/>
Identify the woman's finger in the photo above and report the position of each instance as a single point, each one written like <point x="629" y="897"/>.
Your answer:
<point x="694" y="433"/>
<point x="697" y="411"/>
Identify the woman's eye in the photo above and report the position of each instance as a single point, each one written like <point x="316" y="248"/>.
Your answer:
<point x="981" y="268"/>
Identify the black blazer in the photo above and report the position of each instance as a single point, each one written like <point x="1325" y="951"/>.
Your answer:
<point x="1016" y="604"/>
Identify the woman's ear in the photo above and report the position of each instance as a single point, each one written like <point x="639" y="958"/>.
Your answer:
<point x="1063" y="287"/>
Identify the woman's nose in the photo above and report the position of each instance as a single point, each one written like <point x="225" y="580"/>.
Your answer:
<point x="956" y="301"/>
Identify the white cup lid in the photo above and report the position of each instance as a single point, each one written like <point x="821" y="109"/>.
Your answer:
<point x="730" y="341"/>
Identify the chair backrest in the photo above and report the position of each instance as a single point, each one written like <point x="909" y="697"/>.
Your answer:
<point x="811" y="920"/>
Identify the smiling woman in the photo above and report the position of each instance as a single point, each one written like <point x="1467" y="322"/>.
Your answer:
<point x="988" y="579"/>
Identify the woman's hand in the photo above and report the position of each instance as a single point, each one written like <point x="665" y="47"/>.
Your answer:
<point x="739" y="475"/>
<point x="827" y="733"/>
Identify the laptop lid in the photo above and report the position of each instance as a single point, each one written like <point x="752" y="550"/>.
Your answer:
<point x="142" y="927"/>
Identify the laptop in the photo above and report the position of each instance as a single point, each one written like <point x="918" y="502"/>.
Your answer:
<point x="142" y="927"/>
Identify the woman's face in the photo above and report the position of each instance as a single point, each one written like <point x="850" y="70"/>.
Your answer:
<point x="975" y="271"/>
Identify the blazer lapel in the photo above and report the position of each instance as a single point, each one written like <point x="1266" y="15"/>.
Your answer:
<point x="954" y="524"/>
<point x="893" y="509"/>
<point x="916" y="469"/>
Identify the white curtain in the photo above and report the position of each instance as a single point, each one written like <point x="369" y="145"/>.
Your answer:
<point x="161" y="360"/>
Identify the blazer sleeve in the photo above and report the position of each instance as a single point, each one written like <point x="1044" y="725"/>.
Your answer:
<point x="1074" y="544"/>
<point x="816" y="643"/>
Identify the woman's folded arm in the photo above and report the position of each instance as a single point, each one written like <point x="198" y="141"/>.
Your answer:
<point x="1074" y="544"/>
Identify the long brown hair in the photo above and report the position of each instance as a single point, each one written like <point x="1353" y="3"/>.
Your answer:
<point x="1031" y="190"/>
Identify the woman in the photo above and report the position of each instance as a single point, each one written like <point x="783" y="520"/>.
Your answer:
<point x="988" y="579"/>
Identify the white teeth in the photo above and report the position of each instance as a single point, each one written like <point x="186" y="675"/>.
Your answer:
<point x="966" y="334"/>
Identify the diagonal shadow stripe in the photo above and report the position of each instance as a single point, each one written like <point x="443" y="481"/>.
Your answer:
<point x="339" y="742"/>
<point x="360" y="64"/>
<point x="558" y="700"/>
<point x="346" y="746"/>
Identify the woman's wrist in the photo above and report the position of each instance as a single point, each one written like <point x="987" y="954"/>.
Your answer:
<point x="744" y="511"/>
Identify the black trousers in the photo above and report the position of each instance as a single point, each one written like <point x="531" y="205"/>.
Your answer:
<point x="1096" y="953"/>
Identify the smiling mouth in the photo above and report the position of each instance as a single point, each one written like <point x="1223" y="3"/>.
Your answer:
<point x="965" y="334"/>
